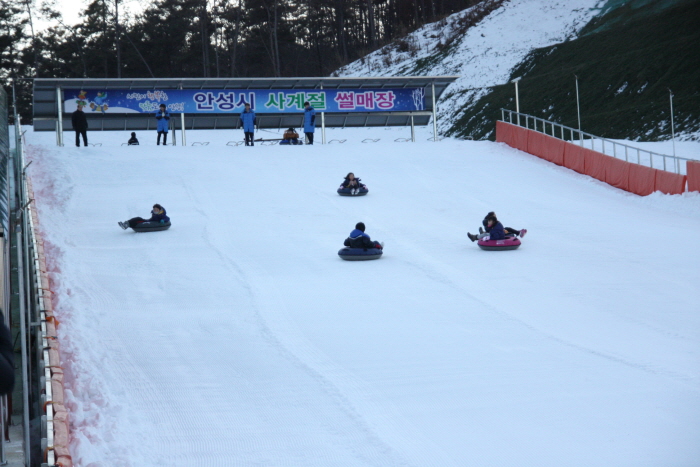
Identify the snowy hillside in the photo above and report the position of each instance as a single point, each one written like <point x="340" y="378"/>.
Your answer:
<point x="238" y="337"/>
<point x="482" y="56"/>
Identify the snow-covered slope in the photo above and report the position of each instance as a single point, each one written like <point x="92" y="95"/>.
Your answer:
<point x="483" y="56"/>
<point x="238" y="337"/>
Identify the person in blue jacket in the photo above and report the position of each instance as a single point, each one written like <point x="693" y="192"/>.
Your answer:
<point x="359" y="239"/>
<point x="157" y="215"/>
<point x="248" y="122"/>
<point x="309" y="122"/>
<point x="509" y="230"/>
<point x="163" y="117"/>
<point x="494" y="230"/>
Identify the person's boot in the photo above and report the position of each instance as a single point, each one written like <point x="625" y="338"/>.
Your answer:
<point x="481" y="230"/>
<point x="472" y="237"/>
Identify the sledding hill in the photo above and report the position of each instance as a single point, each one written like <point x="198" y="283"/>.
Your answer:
<point x="238" y="337"/>
<point x="626" y="54"/>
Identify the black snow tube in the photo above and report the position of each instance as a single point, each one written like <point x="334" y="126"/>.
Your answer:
<point x="347" y="191"/>
<point x="151" y="226"/>
<point x="359" y="254"/>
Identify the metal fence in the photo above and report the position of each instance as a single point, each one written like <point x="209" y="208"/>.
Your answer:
<point x="615" y="149"/>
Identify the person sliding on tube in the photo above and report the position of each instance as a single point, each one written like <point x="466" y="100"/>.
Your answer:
<point x="352" y="183"/>
<point x="495" y="230"/>
<point x="359" y="239"/>
<point x="157" y="215"/>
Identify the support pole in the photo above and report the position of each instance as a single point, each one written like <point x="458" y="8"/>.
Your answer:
<point x="182" y="129"/>
<point x="673" y="135"/>
<point x="578" y="112"/>
<point x="413" y="130"/>
<point x="435" y="133"/>
<point x="323" y="123"/>
<point x="517" y="99"/>
<point x="59" y="103"/>
<point x="23" y="338"/>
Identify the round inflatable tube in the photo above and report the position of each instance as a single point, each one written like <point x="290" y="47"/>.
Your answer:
<point x="509" y="243"/>
<point x="359" y="254"/>
<point x="346" y="191"/>
<point x="151" y="226"/>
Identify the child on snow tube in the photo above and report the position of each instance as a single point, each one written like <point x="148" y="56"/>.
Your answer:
<point x="359" y="239"/>
<point x="133" y="141"/>
<point x="290" y="137"/>
<point x="352" y="183"/>
<point x="485" y="232"/>
<point x="157" y="215"/>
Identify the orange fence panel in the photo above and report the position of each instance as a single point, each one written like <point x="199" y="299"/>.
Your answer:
<point x="642" y="180"/>
<point x="595" y="164"/>
<point x="555" y="150"/>
<point x="669" y="183"/>
<point x="537" y="143"/>
<point x="514" y="136"/>
<point x="573" y="158"/>
<point x="617" y="174"/>
<point x="693" y="169"/>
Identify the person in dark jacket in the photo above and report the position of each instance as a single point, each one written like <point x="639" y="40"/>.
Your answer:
<point x="7" y="359"/>
<point x="163" y="117"/>
<point x="359" y="239"/>
<point x="157" y="215"/>
<point x="495" y="230"/>
<point x="80" y="125"/>
<point x="509" y="230"/>
<point x="353" y="183"/>
<point x="309" y="122"/>
<point x="133" y="141"/>
<point x="248" y="122"/>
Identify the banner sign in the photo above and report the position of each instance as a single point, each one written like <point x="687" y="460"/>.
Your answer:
<point x="223" y="101"/>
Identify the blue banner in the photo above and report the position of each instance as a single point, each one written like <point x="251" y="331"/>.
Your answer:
<point x="222" y="101"/>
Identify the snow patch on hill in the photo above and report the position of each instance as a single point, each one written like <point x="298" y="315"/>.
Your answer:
<point x="483" y="56"/>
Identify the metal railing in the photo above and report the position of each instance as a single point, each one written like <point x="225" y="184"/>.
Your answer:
<point x="557" y="130"/>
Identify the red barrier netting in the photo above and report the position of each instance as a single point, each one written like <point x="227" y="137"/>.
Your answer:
<point x="693" y="169"/>
<point x="617" y="174"/>
<point x="595" y="164"/>
<point x="555" y="150"/>
<point x="670" y="183"/>
<point x="642" y="180"/>
<point x="573" y="158"/>
<point x="505" y="133"/>
<point x="536" y="143"/>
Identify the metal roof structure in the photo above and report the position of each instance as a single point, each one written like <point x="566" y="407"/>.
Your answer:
<point x="48" y="99"/>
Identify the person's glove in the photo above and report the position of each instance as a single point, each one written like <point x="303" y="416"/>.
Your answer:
<point x="162" y="221"/>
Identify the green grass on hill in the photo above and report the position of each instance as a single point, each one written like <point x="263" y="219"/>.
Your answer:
<point x="626" y="62"/>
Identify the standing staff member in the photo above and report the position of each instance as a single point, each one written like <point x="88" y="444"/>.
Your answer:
<point x="80" y="125"/>
<point x="163" y="117"/>
<point x="309" y="122"/>
<point x="248" y="122"/>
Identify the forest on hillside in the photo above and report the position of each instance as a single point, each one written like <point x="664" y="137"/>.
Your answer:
<point x="202" y="38"/>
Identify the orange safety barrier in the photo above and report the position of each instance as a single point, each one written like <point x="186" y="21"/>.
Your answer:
<point x="573" y="158"/>
<point x="595" y="164"/>
<point x="61" y="423"/>
<point x="537" y="144"/>
<point x="513" y="135"/>
<point x="693" y="170"/>
<point x="627" y="176"/>
<point x="642" y="180"/>
<point x="669" y="183"/>
<point x="617" y="174"/>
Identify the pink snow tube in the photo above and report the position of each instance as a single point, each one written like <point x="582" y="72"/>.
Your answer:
<point x="509" y="243"/>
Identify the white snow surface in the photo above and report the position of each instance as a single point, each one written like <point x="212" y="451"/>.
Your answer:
<point x="487" y="53"/>
<point x="239" y="337"/>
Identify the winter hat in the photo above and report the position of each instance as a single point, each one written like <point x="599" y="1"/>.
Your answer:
<point x="360" y="226"/>
<point x="133" y="134"/>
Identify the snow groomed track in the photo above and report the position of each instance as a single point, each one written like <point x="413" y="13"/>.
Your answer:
<point x="238" y="337"/>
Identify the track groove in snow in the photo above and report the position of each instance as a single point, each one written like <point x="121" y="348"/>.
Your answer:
<point x="238" y="337"/>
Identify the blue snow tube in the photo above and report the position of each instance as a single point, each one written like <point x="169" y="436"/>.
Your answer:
<point x="151" y="226"/>
<point x="347" y="191"/>
<point x="359" y="254"/>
